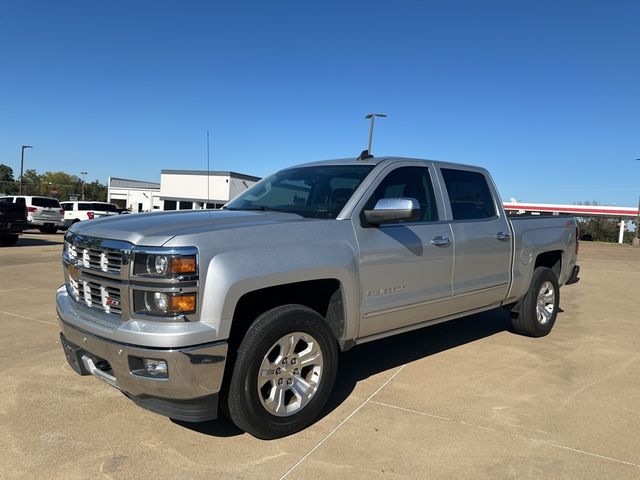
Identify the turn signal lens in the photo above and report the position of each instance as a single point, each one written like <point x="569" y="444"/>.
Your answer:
<point x="182" y="303"/>
<point x="182" y="265"/>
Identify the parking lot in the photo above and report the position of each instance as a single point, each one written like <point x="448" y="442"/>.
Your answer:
<point x="465" y="399"/>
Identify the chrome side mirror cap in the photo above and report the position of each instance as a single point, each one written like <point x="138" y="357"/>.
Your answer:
<point x="389" y="210"/>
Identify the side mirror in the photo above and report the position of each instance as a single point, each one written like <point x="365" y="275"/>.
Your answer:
<point x="388" y="210"/>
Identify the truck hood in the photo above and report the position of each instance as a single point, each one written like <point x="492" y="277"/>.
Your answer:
<point x="157" y="228"/>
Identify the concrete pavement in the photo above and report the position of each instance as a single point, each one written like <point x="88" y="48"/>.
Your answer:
<point x="465" y="399"/>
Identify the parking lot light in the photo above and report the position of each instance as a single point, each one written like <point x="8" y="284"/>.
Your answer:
<point x="22" y="164"/>
<point x="83" y="174"/>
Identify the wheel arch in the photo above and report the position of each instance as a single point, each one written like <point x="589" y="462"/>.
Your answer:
<point x="551" y="259"/>
<point x="325" y="296"/>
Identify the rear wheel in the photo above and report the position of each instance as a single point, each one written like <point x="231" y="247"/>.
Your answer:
<point x="284" y="372"/>
<point x="537" y="312"/>
<point x="8" y="239"/>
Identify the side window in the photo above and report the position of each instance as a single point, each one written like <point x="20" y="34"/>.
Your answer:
<point x="469" y="194"/>
<point x="408" y="182"/>
<point x="21" y="201"/>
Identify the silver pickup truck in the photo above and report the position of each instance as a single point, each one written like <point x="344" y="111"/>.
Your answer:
<point x="247" y="308"/>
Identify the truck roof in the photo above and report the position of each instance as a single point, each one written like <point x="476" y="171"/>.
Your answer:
<point x="379" y="160"/>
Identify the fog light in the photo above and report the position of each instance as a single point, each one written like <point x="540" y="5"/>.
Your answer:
<point x="155" y="368"/>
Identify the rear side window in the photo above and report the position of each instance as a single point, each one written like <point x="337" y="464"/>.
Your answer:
<point x="45" y="202"/>
<point x="104" y="207"/>
<point x="84" y="206"/>
<point x="20" y="201"/>
<point x="469" y="194"/>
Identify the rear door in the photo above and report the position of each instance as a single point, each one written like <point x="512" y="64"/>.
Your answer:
<point x="405" y="278"/>
<point x="482" y="267"/>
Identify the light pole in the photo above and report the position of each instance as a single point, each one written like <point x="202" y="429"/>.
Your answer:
<point x="22" y="164"/>
<point x="83" y="174"/>
<point x="372" y="116"/>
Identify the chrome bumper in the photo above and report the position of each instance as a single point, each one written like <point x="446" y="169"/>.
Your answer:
<point x="189" y="392"/>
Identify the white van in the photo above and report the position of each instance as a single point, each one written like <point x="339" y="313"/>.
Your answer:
<point x="43" y="213"/>
<point x="78" y="211"/>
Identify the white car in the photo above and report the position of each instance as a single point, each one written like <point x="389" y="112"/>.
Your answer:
<point x="78" y="211"/>
<point x="43" y="213"/>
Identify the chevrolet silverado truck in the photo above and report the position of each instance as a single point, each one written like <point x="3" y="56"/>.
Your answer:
<point x="246" y="309"/>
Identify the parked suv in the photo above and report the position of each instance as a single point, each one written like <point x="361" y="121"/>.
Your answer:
<point x="77" y="211"/>
<point x="43" y="213"/>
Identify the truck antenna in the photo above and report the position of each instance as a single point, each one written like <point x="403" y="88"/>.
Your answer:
<point x="208" y="171"/>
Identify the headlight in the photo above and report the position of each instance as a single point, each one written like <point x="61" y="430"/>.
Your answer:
<point x="168" y="265"/>
<point x="164" y="304"/>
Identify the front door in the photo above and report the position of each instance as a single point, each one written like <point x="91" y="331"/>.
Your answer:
<point x="404" y="275"/>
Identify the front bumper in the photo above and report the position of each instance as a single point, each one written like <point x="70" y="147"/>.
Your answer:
<point x="188" y="393"/>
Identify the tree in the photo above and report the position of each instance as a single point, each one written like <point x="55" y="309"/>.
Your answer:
<point x="6" y="173"/>
<point x="30" y="182"/>
<point x="95" y="191"/>
<point x="59" y="185"/>
<point x="7" y="182"/>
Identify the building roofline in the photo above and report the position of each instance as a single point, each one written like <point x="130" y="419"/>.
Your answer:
<point x="241" y="176"/>
<point x="133" y="180"/>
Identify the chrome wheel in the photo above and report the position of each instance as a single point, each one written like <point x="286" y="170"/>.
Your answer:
<point x="290" y="374"/>
<point x="546" y="302"/>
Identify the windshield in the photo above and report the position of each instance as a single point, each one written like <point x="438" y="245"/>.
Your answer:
<point x="312" y="192"/>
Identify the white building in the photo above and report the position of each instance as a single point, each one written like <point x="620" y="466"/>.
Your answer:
<point x="178" y="190"/>
<point x="195" y="189"/>
<point x="134" y="195"/>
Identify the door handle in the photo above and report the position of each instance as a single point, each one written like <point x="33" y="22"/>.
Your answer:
<point x="440" y="241"/>
<point x="503" y="236"/>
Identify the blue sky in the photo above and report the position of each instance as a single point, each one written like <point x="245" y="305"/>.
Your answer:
<point x="546" y="94"/>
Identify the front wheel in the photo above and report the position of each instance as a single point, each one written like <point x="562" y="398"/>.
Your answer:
<point x="539" y="308"/>
<point x="284" y="372"/>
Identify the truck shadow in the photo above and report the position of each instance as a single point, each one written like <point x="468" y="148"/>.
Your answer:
<point x="369" y="359"/>
<point x="389" y="353"/>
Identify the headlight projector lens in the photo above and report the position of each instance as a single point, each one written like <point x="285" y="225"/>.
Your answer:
<point x="159" y="266"/>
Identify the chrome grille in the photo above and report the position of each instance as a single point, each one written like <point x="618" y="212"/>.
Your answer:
<point x="96" y="271"/>
<point x="94" y="294"/>
<point x="100" y="259"/>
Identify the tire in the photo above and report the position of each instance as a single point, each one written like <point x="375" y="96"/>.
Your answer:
<point x="8" y="240"/>
<point x="276" y="341"/>
<point x="537" y="312"/>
